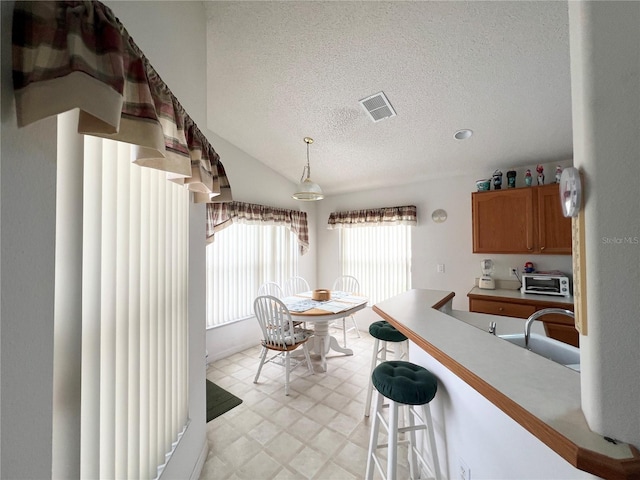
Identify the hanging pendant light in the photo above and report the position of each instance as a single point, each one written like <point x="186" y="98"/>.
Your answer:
<point x="308" y="190"/>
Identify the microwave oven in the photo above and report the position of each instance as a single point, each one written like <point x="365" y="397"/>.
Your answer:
<point x="546" y="284"/>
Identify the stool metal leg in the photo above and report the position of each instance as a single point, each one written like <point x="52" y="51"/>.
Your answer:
<point x="392" y="451"/>
<point x="413" y="456"/>
<point x="374" y="363"/>
<point x="426" y="411"/>
<point x="373" y="440"/>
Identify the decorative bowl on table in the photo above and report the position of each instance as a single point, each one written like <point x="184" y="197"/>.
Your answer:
<point x="321" y="295"/>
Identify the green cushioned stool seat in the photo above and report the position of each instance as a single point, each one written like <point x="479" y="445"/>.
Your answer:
<point x="383" y="330"/>
<point x="405" y="382"/>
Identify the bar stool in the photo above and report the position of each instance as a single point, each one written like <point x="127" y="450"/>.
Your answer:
<point x="383" y="332"/>
<point x="403" y="384"/>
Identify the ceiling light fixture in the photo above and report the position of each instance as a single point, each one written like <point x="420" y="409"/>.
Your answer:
<point x="308" y="191"/>
<point x="463" y="134"/>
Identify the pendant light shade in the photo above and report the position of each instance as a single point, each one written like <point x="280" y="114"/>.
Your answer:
<point x="308" y="190"/>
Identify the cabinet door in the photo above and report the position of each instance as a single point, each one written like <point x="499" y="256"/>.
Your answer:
<point x="503" y="221"/>
<point x="554" y="229"/>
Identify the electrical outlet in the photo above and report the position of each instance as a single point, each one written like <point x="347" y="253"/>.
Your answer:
<point x="513" y="272"/>
<point x="440" y="268"/>
<point x="465" y="471"/>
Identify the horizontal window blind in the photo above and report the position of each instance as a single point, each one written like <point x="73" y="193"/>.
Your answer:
<point x="241" y="258"/>
<point x="379" y="257"/>
<point x="134" y="325"/>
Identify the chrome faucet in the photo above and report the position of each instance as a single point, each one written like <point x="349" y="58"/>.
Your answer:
<point x="537" y="315"/>
<point x="492" y="328"/>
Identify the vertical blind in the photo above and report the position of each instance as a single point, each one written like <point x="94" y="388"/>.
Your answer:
<point x="379" y="257"/>
<point x="133" y="330"/>
<point x="242" y="258"/>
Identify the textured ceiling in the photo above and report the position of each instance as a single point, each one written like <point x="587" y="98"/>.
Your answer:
<point x="280" y="71"/>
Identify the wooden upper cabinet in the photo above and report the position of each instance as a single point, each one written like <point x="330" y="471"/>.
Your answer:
<point x="554" y="229"/>
<point x="503" y="221"/>
<point x="520" y="220"/>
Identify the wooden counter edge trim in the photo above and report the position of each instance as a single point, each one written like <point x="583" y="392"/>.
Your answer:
<point x="441" y="303"/>
<point x="581" y="458"/>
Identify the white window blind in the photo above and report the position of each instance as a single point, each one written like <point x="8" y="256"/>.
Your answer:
<point x="240" y="259"/>
<point x="379" y="257"/>
<point x="133" y="330"/>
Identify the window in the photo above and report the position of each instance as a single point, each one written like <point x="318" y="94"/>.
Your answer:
<point x="121" y="310"/>
<point x="242" y="258"/>
<point x="379" y="257"/>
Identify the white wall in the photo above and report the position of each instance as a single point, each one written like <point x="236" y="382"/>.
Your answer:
<point x="605" y="76"/>
<point x="28" y="197"/>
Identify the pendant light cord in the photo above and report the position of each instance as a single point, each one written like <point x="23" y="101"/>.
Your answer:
<point x="307" y="169"/>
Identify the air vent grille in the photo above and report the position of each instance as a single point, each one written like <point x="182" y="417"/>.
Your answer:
<point x="378" y="107"/>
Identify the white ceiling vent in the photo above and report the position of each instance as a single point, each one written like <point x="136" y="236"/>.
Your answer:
<point x="378" y="107"/>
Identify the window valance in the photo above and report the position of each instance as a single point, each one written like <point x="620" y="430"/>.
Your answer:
<point x="223" y="215"/>
<point x="77" y="54"/>
<point x="406" y="215"/>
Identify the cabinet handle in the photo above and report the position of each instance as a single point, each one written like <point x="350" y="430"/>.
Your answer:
<point x="541" y="249"/>
<point x="500" y="309"/>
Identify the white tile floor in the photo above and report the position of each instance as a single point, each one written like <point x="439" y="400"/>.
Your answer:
<point x="317" y="432"/>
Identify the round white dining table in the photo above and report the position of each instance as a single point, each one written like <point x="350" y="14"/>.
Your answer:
<point x="322" y="341"/>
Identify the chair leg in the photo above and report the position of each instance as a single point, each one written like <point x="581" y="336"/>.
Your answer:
<point x="262" y="358"/>
<point x="367" y="404"/>
<point x="287" y="369"/>
<point x="355" y="325"/>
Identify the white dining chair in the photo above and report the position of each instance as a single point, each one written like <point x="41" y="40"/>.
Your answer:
<point x="271" y="288"/>
<point x="350" y="284"/>
<point x="295" y="285"/>
<point x="280" y="336"/>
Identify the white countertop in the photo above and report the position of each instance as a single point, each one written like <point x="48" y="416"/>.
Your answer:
<point x="541" y="395"/>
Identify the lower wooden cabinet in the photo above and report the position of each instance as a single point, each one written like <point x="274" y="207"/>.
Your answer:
<point x="559" y="327"/>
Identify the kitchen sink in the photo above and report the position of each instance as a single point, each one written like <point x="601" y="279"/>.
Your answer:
<point x="554" y="350"/>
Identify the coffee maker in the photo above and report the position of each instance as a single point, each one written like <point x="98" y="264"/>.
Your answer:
<point x="485" y="280"/>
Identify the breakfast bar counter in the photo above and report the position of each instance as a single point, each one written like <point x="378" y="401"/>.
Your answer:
<point x="541" y="396"/>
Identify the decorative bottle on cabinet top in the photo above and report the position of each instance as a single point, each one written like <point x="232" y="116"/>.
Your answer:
<point x="497" y="180"/>
<point x="540" y="170"/>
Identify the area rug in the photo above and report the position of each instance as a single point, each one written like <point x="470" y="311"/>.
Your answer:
<point x="219" y="401"/>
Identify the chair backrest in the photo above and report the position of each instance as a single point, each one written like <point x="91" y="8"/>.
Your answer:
<point x="296" y="285"/>
<point x="275" y="321"/>
<point x="346" y="283"/>
<point x="271" y="288"/>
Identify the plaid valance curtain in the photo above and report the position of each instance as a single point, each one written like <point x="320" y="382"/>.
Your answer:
<point x="76" y="54"/>
<point x="222" y="215"/>
<point x="374" y="217"/>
